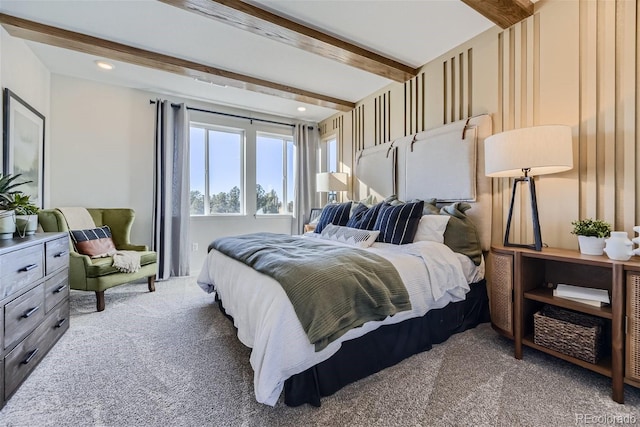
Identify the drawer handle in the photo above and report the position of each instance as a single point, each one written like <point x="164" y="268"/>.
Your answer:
<point x="30" y="357"/>
<point x="29" y="267"/>
<point x="59" y="289"/>
<point x="58" y="255"/>
<point x="61" y="322"/>
<point x="28" y="313"/>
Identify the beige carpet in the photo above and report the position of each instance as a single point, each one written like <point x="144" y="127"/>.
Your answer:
<point x="170" y="358"/>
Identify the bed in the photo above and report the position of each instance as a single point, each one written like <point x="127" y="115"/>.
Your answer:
<point x="445" y="284"/>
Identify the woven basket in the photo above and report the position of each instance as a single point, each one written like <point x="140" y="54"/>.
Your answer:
<point x="574" y="334"/>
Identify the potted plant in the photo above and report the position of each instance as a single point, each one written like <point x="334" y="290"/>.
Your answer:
<point x="591" y="234"/>
<point x="7" y="214"/>
<point x="26" y="214"/>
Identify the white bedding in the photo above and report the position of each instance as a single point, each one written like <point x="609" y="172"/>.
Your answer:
<point x="433" y="275"/>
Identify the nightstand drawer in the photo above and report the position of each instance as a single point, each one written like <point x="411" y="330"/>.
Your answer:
<point x="21" y="268"/>
<point x="26" y="355"/>
<point x="23" y="314"/>
<point x="56" y="254"/>
<point x="56" y="289"/>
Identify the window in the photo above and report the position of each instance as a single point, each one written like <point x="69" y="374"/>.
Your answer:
<point x="217" y="170"/>
<point x="332" y="155"/>
<point x="274" y="174"/>
<point x="328" y="158"/>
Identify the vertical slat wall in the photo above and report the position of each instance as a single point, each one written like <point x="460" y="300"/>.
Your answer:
<point x="457" y="86"/>
<point x="414" y="105"/>
<point x="573" y="63"/>
<point x="517" y="83"/>
<point x="609" y="105"/>
<point x="382" y="118"/>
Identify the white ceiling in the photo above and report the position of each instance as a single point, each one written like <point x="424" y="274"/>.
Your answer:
<point x="411" y="32"/>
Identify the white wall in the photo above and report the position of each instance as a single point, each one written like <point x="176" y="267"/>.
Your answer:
<point x="102" y="156"/>
<point x="102" y="149"/>
<point x="99" y="147"/>
<point x="23" y="73"/>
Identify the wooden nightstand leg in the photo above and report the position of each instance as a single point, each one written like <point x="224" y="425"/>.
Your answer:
<point x="617" y="334"/>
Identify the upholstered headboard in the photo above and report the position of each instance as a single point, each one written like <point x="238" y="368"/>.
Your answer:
<point x="445" y="163"/>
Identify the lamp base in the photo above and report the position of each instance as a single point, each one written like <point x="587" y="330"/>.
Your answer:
<point x="537" y="245"/>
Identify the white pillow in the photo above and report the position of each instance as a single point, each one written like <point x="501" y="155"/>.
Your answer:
<point x="431" y="228"/>
<point x="351" y="236"/>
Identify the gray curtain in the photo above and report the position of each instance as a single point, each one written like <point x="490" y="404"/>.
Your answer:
<point x="171" y="190"/>
<point x="305" y="140"/>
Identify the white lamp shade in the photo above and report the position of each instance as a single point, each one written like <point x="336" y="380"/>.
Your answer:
<point x="332" y="181"/>
<point x="540" y="149"/>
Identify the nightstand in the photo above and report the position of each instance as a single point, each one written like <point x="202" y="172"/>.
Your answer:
<point x="518" y="290"/>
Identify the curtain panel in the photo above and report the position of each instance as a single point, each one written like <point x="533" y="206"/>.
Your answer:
<point x="305" y="141"/>
<point x="171" y="190"/>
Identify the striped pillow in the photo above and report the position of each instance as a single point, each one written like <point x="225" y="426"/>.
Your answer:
<point x="398" y="224"/>
<point x="333" y="213"/>
<point x="96" y="242"/>
<point x="364" y="218"/>
<point x="351" y="236"/>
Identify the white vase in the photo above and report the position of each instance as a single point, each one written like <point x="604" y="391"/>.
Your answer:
<point x="7" y="224"/>
<point x="26" y="225"/>
<point x="618" y="246"/>
<point x="590" y="245"/>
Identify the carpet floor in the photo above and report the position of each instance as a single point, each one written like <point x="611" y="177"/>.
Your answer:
<point x="170" y="358"/>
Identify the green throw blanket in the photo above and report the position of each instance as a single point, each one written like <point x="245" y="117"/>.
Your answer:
<point x="332" y="288"/>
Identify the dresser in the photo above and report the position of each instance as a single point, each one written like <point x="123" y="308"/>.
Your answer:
<point x="34" y="303"/>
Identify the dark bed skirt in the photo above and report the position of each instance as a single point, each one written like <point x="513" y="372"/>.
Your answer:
<point x="386" y="346"/>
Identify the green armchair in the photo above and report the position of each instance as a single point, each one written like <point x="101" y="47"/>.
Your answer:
<point x="98" y="274"/>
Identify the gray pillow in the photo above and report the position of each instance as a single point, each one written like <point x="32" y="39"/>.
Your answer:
<point x="461" y="234"/>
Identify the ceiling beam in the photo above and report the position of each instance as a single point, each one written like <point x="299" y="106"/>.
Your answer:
<point x="504" y="13"/>
<point x="58" y="37"/>
<point x="274" y="27"/>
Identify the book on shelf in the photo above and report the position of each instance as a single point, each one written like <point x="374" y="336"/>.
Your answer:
<point x="590" y="294"/>
<point x="583" y="301"/>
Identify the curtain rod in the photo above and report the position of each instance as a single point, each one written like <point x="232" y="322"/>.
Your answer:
<point x="230" y="115"/>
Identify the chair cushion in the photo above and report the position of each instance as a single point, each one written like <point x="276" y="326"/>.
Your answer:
<point x="103" y="266"/>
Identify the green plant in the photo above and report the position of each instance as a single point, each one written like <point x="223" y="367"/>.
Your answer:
<point x="7" y="190"/>
<point x="21" y="203"/>
<point x="591" y="227"/>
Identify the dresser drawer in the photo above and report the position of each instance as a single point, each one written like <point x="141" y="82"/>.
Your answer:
<point x="56" y="254"/>
<point x="26" y="355"/>
<point x="21" y="268"/>
<point x="23" y="314"/>
<point x="56" y="288"/>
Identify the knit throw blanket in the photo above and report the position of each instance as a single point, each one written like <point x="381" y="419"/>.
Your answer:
<point x="127" y="261"/>
<point x="332" y="288"/>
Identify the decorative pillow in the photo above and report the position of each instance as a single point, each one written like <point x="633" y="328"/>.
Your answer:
<point x="333" y="213"/>
<point x="368" y="201"/>
<point x="352" y="236"/>
<point x="431" y="228"/>
<point x="461" y="234"/>
<point x="95" y="242"/>
<point x="398" y="224"/>
<point x="364" y="218"/>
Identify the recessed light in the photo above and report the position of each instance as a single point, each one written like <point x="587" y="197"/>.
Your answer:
<point x="302" y="109"/>
<point x="104" y="65"/>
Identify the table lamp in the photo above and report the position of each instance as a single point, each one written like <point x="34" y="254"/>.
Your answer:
<point x="524" y="153"/>
<point x="332" y="182"/>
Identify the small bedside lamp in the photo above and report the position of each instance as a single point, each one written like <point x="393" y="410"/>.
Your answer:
<point x="524" y="153"/>
<point x="332" y="182"/>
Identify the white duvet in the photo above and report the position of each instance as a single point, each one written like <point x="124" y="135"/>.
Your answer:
<point x="266" y="322"/>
